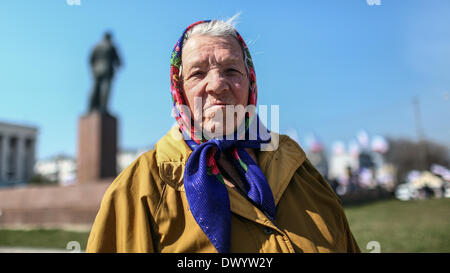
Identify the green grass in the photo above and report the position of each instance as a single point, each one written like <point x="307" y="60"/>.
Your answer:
<point x="399" y="226"/>
<point x="41" y="238"/>
<point x="402" y="226"/>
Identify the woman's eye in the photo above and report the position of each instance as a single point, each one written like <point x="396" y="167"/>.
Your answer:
<point x="197" y="74"/>
<point x="233" y="70"/>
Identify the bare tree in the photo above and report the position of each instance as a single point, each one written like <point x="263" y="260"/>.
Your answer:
<point x="408" y="155"/>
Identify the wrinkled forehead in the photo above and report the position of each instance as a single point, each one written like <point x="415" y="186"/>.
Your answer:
<point x="202" y="49"/>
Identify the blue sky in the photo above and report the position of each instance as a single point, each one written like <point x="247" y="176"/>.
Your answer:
<point x="333" y="67"/>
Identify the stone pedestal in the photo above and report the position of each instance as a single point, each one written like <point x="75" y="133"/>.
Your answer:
<point x="97" y="147"/>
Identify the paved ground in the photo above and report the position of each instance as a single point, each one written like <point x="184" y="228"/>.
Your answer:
<point x="33" y="250"/>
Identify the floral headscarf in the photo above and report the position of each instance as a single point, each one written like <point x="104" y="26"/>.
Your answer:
<point x="205" y="189"/>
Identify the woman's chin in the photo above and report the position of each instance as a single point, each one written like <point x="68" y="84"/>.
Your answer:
<point x="216" y="129"/>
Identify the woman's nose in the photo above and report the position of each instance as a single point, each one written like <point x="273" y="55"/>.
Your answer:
<point x="216" y="83"/>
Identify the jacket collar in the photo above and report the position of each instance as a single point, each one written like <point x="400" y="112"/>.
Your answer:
<point x="172" y="153"/>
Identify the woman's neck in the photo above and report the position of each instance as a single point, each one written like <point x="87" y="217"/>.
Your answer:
<point x="232" y="172"/>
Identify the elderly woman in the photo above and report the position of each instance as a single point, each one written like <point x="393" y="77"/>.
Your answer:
<point x="197" y="193"/>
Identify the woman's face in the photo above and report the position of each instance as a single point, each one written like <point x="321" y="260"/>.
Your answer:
<point x="214" y="71"/>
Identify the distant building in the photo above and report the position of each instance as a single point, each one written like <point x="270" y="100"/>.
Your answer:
<point x="17" y="153"/>
<point x="126" y="157"/>
<point x="63" y="169"/>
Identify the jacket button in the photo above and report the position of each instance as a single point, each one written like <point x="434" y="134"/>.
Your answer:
<point x="267" y="230"/>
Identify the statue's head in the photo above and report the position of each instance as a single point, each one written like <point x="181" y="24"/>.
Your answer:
<point x="107" y="36"/>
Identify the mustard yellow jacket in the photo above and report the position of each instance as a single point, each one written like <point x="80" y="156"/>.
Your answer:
<point x="145" y="209"/>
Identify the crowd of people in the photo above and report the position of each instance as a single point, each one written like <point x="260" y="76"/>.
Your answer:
<point x="360" y="169"/>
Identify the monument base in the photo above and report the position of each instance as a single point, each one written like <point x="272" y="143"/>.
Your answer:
<point x="97" y="147"/>
<point x="71" y="207"/>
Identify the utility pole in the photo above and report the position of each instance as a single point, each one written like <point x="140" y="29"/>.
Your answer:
<point x="420" y="133"/>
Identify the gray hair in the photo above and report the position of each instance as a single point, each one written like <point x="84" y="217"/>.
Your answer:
<point x="216" y="28"/>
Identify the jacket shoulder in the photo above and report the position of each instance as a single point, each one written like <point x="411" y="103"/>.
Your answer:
<point x="308" y="174"/>
<point x="306" y="167"/>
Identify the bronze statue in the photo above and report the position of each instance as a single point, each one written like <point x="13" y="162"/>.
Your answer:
<point x="104" y="60"/>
